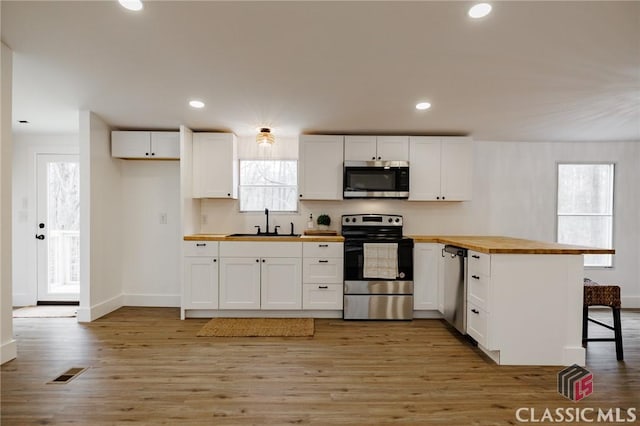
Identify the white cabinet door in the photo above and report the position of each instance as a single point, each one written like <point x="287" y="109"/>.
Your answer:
<point x="360" y="148"/>
<point x="456" y="169"/>
<point x="200" y="287"/>
<point x="320" y="167"/>
<point x="130" y="144"/>
<point x="426" y="273"/>
<point x="165" y="145"/>
<point x="281" y="283"/>
<point x="424" y="172"/>
<point x="215" y="165"/>
<point x="239" y="283"/>
<point x="393" y="148"/>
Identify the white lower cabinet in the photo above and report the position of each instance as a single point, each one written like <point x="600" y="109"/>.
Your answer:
<point x="427" y="258"/>
<point x="239" y="283"/>
<point x="322" y="276"/>
<point x="477" y="320"/>
<point x="200" y="281"/>
<point x="260" y="275"/>
<point x="281" y="285"/>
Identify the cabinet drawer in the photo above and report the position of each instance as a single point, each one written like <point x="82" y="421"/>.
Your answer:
<point x="479" y="263"/>
<point x="322" y="270"/>
<point x="322" y="249"/>
<point x="322" y="296"/>
<point x="200" y="248"/>
<point x="477" y="320"/>
<point x="478" y="290"/>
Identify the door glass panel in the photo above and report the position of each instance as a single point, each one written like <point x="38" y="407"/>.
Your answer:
<point x="63" y="219"/>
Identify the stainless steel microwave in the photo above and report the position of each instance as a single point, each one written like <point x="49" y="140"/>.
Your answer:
<point x="376" y="179"/>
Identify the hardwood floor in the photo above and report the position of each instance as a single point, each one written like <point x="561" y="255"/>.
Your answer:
<point x="146" y="366"/>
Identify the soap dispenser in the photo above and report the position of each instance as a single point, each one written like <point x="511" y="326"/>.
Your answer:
<point x="310" y="223"/>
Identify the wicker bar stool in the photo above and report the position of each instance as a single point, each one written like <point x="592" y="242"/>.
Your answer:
<point x="602" y="295"/>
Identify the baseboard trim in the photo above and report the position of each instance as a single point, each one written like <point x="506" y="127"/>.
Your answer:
<point x="101" y="309"/>
<point x="631" y="302"/>
<point x="152" y="300"/>
<point x="8" y="351"/>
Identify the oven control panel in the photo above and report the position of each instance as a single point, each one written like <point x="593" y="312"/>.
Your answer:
<point x="371" y="220"/>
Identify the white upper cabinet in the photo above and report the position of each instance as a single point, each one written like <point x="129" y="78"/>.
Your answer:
<point x="320" y="167"/>
<point x="378" y="148"/>
<point x="145" y="145"/>
<point x="215" y="165"/>
<point x="441" y="168"/>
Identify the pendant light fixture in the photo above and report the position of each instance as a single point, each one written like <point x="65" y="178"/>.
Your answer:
<point x="265" y="137"/>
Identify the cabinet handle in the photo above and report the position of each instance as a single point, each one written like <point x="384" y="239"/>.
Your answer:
<point x="379" y="158"/>
<point x="323" y="245"/>
<point x="228" y="194"/>
<point x="201" y="244"/>
<point x="475" y="256"/>
<point x="475" y="311"/>
<point x="153" y="153"/>
<point x="475" y="277"/>
<point x="323" y="286"/>
<point x="263" y="260"/>
<point x="373" y="158"/>
<point x="437" y="198"/>
<point x="258" y="260"/>
<point x="443" y="197"/>
<point x="215" y="260"/>
<point x="146" y="153"/>
<point x="323" y="261"/>
<point x="300" y="195"/>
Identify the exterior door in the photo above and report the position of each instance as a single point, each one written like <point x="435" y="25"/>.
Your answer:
<point x="57" y="229"/>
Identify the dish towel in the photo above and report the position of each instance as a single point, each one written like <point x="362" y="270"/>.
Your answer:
<point x="380" y="260"/>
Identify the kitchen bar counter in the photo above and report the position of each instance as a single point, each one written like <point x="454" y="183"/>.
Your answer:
<point x="508" y="245"/>
<point x="281" y="238"/>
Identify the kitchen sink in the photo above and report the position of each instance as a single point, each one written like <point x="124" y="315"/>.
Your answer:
<point x="270" y="235"/>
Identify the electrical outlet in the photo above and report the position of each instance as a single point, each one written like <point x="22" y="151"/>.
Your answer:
<point x="204" y="219"/>
<point x="163" y="218"/>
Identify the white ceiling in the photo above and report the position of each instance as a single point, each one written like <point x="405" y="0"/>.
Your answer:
<point x="530" y="71"/>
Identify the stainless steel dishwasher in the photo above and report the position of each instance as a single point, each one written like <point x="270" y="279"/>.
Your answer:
<point x="455" y="287"/>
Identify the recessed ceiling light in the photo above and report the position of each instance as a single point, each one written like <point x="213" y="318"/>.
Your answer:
<point x="134" y="5"/>
<point x="196" y="104"/>
<point x="479" y="10"/>
<point x="423" y="105"/>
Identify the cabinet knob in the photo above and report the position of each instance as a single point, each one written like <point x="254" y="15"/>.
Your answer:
<point x="153" y="153"/>
<point x="146" y="153"/>
<point x="263" y="260"/>
<point x="215" y="260"/>
<point x="228" y="194"/>
<point x="379" y="158"/>
<point x="257" y="260"/>
<point x="373" y="158"/>
<point x="300" y="195"/>
<point x="437" y="198"/>
<point x="443" y="197"/>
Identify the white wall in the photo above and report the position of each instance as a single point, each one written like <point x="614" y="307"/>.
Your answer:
<point x="151" y="249"/>
<point x="100" y="220"/>
<point x="514" y="195"/>
<point x="8" y="347"/>
<point x="26" y="147"/>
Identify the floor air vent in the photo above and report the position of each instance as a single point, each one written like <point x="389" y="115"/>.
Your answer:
<point x="68" y="375"/>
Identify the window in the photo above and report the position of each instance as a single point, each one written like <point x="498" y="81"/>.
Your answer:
<point x="585" y="208"/>
<point x="270" y="184"/>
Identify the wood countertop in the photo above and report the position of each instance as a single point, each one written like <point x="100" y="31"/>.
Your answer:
<point x="508" y="245"/>
<point x="282" y="238"/>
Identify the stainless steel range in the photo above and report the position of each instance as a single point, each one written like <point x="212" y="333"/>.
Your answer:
<point x="378" y="268"/>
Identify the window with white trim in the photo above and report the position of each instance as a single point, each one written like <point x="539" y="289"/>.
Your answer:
<point x="585" y="208"/>
<point x="270" y="184"/>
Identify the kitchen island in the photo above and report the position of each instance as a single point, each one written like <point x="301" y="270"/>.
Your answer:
<point x="524" y="298"/>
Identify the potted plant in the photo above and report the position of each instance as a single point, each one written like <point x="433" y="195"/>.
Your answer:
<point x="324" y="221"/>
